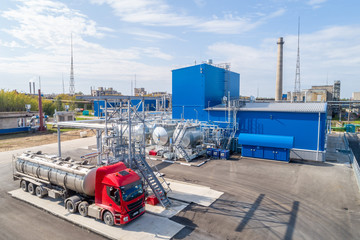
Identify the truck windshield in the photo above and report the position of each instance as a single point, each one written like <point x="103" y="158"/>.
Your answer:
<point x="131" y="191"/>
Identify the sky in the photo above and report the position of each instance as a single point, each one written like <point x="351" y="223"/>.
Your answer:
<point x="118" y="41"/>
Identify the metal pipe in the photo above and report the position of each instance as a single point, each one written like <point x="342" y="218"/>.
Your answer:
<point x="318" y="139"/>
<point x="129" y="122"/>
<point x="229" y="107"/>
<point x="143" y="140"/>
<point x="59" y="141"/>
<point x="349" y="112"/>
<point x="106" y="130"/>
<point x="208" y="111"/>
<point x="41" y="127"/>
<point x="99" y="147"/>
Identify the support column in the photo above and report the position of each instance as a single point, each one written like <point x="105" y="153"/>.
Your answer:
<point x="59" y="140"/>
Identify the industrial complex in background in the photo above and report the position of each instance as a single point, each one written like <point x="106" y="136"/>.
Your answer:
<point x="203" y="119"/>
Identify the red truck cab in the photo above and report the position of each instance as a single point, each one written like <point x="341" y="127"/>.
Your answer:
<point x="119" y="191"/>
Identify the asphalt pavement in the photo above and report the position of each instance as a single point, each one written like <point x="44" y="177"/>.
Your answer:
<point x="262" y="200"/>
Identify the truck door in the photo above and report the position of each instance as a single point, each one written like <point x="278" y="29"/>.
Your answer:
<point x="114" y="194"/>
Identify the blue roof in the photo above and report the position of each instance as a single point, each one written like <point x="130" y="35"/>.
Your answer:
<point x="266" y="140"/>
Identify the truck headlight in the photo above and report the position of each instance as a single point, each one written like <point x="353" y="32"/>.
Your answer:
<point x="125" y="219"/>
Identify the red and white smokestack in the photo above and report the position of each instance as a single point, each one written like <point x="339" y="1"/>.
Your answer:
<point x="279" y="72"/>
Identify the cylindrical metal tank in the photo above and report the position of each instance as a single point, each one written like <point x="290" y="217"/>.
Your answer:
<point x="161" y="135"/>
<point x="136" y="130"/>
<point x="190" y="138"/>
<point x="59" y="172"/>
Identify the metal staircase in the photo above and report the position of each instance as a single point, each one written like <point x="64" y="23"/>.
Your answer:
<point x="181" y="128"/>
<point x="232" y="135"/>
<point x="154" y="183"/>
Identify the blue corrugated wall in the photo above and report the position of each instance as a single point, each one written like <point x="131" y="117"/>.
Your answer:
<point x="303" y="126"/>
<point x="196" y="87"/>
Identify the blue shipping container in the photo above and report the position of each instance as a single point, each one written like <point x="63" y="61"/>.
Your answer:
<point x="225" y="154"/>
<point x="209" y="152"/>
<point x="216" y="153"/>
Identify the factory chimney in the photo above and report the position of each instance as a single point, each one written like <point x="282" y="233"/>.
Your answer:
<point x="279" y="72"/>
<point x="30" y="87"/>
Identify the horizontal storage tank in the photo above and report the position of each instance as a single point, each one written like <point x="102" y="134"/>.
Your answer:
<point x="136" y="130"/>
<point x="191" y="137"/>
<point x="161" y="135"/>
<point x="57" y="171"/>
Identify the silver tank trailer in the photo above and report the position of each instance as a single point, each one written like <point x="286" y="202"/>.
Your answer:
<point x="57" y="171"/>
<point x="161" y="135"/>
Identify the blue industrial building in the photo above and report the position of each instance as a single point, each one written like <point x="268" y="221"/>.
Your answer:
<point x="197" y="87"/>
<point x="299" y="127"/>
<point x="277" y="131"/>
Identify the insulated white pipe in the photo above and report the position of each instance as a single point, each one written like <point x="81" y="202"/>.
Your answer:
<point x="318" y="140"/>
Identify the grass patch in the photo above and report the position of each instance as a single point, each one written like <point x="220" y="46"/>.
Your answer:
<point x="52" y="129"/>
<point x="82" y="118"/>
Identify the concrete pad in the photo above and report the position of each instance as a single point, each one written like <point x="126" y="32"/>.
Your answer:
<point x="188" y="192"/>
<point x="147" y="226"/>
<point x="174" y="209"/>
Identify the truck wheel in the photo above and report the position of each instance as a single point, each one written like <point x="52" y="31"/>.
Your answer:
<point x="31" y="188"/>
<point x="108" y="218"/>
<point x="83" y="208"/>
<point x="39" y="191"/>
<point x="24" y="185"/>
<point x="70" y="207"/>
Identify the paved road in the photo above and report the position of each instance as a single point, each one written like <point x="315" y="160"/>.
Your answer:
<point x="19" y="220"/>
<point x="271" y="200"/>
<point x="262" y="200"/>
<point x="354" y="142"/>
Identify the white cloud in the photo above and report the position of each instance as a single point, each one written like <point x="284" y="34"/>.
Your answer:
<point x="159" y="13"/>
<point x="234" y="25"/>
<point x="316" y="3"/>
<point x="200" y="3"/>
<point x="148" y="35"/>
<point x="46" y="23"/>
<point x="43" y="29"/>
<point x="332" y="52"/>
<point x="11" y="44"/>
<point x="147" y="12"/>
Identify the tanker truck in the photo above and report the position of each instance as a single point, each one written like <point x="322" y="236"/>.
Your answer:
<point x="113" y="193"/>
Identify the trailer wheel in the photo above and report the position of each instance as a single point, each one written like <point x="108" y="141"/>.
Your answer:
<point x="24" y="185"/>
<point x="40" y="192"/>
<point x="31" y="188"/>
<point x="108" y="218"/>
<point x="70" y="206"/>
<point x="83" y="208"/>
